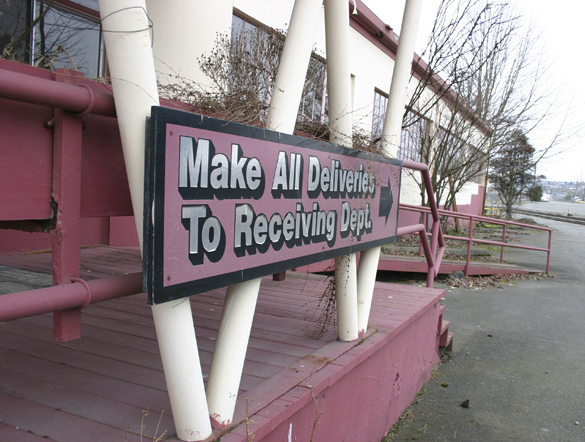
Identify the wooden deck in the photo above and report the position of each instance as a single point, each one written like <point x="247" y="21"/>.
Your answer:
<point x="109" y="385"/>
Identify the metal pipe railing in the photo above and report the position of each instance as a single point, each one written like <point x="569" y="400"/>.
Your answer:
<point x="30" y="89"/>
<point x="476" y="218"/>
<point x="61" y="297"/>
<point x="435" y="251"/>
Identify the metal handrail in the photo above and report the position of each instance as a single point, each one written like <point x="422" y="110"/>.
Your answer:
<point x="88" y="97"/>
<point x="432" y="255"/>
<point x="475" y="218"/>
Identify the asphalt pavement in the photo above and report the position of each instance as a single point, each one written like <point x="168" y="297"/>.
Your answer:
<point x="518" y="358"/>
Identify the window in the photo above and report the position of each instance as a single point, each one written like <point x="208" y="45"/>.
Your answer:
<point x="380" y="106"/>
<point x="413" y="137"/>
<point x="255" y="54"/>
<point x="64" y="34"/>
<point x="314" y="100"/>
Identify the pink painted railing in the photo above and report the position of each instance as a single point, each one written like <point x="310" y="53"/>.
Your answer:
<point x="470" y="240"/>
<point x="432" y="254"/>
<point x="83" y="98"/>
<point x="67" y="296"/>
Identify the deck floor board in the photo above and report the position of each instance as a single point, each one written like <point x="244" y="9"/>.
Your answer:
<point x="98" y="387"/>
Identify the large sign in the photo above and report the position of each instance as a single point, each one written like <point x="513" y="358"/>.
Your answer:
<point x="225" y="203"/>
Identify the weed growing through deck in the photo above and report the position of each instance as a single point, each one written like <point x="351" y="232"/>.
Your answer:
<point x="249" y="423"/>
<point x="155" y="438"/>
<point x="323" y="317"/>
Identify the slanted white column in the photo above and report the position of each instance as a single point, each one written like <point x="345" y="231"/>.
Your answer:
<point x="340" y="124"/>
<point x="238" y="312"/>
<point x="338" y="72"/>
<point x="292" y="71"/>
<point x="366" y="279"/>
<point x="126" y="33"/>
<point x="230" y="351"/>
<point x="390" y="141"/>
<point x="400" y="77"/>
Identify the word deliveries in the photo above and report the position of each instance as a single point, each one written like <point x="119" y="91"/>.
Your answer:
<point x="205" y="174"/>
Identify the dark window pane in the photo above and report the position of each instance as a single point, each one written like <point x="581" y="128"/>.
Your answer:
<point x="65" y="40"/>
<point x="14" y="37"/>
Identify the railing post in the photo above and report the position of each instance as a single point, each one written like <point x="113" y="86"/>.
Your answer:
<point x="548" y="252"/>
<point x="503" y="241"/>
<point x="467" y="262"/>
<point x="66" y="192"/>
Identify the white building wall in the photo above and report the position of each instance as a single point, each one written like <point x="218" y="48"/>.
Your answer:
<point x="178" y="43"/>
<point x="177" y="49"/>
<point x="372" y="69"/>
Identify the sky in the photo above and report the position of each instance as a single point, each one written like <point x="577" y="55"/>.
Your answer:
<point x="558" y="27"/>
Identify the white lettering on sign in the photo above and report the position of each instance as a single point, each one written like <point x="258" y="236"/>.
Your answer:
<point x="230" y="203"/>
<point x="288" y="176"/>
<point x="337" y="182"/>
<point x="200" y="177"/>
<point x="206" y="235"/>
<point x="252" y="230"/>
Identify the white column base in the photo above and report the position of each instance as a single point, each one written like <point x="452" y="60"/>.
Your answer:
<point x="346" y="294"/>
<point x="366" y="279"/>
<point x="230" y="351"/>
<point x="180" y="357"/>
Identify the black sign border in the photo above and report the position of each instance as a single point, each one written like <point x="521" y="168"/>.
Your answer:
<point x="154" y="182"/>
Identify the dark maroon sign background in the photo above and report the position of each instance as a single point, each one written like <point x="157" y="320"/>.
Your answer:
<point x="225" y="203"/>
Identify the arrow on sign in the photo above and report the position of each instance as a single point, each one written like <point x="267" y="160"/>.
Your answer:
<point x="386" y="200"/>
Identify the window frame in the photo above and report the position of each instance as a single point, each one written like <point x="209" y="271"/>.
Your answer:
<point x="72" y="9"/>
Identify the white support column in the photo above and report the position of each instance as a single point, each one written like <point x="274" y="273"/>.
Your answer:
<point x="340" y="123"/>
<point x="177" y="342"/>
<point x="126" y="33"/>
<point x="238" y="312"/>
<point x="338" y="72"/>
<point x="230" y="351"/>
<point x="366" y="279"/>
<point x="400" y="77"/>
<point x="346" y="295"/>
<point x="292" y="71"/>
<point x="390" y="140"/>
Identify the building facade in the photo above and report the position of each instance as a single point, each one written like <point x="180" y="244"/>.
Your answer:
<point x="67" y="34"/>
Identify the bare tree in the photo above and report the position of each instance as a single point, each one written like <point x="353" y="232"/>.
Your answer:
<point x="485" y="77"/>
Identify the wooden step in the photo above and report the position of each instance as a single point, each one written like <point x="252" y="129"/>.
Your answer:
<point x="444" y="327"/>
<point x="446" y="337"/>
<point x="447" y="340"/>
